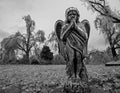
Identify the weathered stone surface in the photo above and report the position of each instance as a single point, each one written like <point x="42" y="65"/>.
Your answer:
<point x="117" y="91"/>
<point x="2" y="91"/>
<point x="90" y="90"/>
<point x="97" y="90"/>
<point x="11" y="89"/>
<point x="75" y="85"/>
<point x="58" y="90"/>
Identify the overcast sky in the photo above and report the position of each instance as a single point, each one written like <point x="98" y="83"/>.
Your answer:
<point x="45" y="13"/>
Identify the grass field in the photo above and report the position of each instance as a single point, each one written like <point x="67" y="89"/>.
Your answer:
<point x="34" y="75"/>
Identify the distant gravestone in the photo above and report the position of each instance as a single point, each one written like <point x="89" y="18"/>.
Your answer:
<point x="113" y="63"/>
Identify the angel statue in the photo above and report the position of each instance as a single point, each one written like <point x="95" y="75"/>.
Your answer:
<point x="72" y="36"/>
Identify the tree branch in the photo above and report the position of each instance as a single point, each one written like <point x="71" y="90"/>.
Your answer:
<point x="118" y="46"/>
<point x="95" y="3"/>
<point x="24" y="38"/>
<point x="98" y="10"/>
<point x="30" y="46"/>
<point x="20" y="47"/>
<point x="115" y="19"/>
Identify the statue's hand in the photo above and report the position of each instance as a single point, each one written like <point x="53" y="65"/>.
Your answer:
<point x="73" y="23"/>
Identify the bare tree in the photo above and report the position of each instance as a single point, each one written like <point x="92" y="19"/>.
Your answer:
<point x="27" y="41"/>
<point x="24" y="42"/>
<point x="102" y="7"/>
<point x="107" y="22"/>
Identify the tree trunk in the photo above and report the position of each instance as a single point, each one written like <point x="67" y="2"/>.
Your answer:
<point x="27" y="58"/>
<point x="28" y="45"/>
<point x="114" y="53"/>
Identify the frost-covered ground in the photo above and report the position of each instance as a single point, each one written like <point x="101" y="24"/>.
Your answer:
<point x="41" y="79"/>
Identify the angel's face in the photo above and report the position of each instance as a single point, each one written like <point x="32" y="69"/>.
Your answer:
<point x="72" y="15"/>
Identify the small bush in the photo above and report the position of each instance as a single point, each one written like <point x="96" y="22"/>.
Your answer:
<point x="22" y="60"/>
<point x="34" y="60"/>
<point x="58" y="60"/>
<point x="45" y="62"/>
<point x="97" y="57"/>
<point x="46" y="53"/>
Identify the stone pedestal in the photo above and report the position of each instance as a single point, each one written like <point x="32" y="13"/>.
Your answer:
<point x="75" y="85"/>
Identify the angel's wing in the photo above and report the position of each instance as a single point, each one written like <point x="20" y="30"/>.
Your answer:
<point x="87" y="26"/>
<point x="87" y="30"/>
<point x="61" y="45"/>
<point x="58" y="27"/>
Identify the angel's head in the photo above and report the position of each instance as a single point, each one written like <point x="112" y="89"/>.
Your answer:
<point x="72" y="13"/>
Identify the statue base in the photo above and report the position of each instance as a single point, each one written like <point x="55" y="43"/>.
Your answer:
<point x="76" y="85"/>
